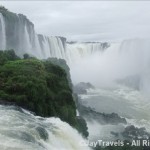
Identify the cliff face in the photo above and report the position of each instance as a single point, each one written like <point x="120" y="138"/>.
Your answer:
<point x="17" y="32"/>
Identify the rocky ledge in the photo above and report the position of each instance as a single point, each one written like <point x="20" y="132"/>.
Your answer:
<point x="82" y="87"/>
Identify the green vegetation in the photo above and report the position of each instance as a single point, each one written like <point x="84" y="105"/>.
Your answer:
<point x="43" y="87"/>
<point x="39" y="86"/>
<point x="82" y="126"/>
<point x="62" y="64"/>
<point x="8" y="55"/>
<point x="2" y="8"/>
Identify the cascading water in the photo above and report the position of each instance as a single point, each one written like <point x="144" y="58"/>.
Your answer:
<point x="27" y="45"/>
<point x="37" y="47"/>
<point x="56" y="48"/>
<point x="78" y="51"/>
<point x="2" y="33"/>
<point x="19" y="129"/>
<point x="46" y="47"/>
<point x="62" y="49"/>
<point x="122" y="77"/>
<point x="102" y="64"/>
<point x="22" y="37"/>
<point x="106" y="63"/>
<point x="130" y="58"/>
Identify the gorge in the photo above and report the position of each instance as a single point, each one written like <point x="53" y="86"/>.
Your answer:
<point x="119" y="71"/>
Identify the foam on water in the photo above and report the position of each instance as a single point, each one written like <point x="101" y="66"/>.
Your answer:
<point x="19" y="129"/>
<point x="126" y="102"/>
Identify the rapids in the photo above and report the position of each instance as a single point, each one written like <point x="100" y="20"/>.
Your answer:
<point x="21" y="130"/>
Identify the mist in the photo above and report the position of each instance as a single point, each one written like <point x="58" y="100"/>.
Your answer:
<point x="125" y="59"/>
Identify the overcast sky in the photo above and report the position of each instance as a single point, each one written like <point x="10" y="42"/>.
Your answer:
<point x="87" y="20"/>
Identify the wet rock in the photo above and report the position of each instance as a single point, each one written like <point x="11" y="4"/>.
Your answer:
<point x="81" y="88"/>
<point x="132" y="132"/>
<point x="42" y="133"/>
<point x="102" y="118"/>
<point x="114" y="133"/>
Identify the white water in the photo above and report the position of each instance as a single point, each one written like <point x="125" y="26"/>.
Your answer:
<point x="27" y="45"/>
<point x="92" y="62"/>
<point x="2" y="33"/>
<point x="119" y="61"/>
<point x="89" y="62"/>
<point x="56" y="48"/>
<point x="126" y="102"/>
<point x="37" y="49"/>
<point x="25" y="40"/>
<point x="128" y="61"/>
<point x="19" y="129"/>
<point x="46" y="47"/>
<point x="79" y="51"/>
<point x="51" y="47"/>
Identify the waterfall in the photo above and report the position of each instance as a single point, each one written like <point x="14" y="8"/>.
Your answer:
<point x="56" y="47"/>
<point x="2" y="33"/>
<point x="31" y="42"/>
<point x="19" y="129"/>
<point x="46" y="47"/>
<point x="23" y="39"/>
<point x="27" y="45"/>
<point x="127" y="61"/>
<point x="136" y="55"/>
<point x="78" y="51"/>
<point x="121" y="60"/>
<point x="62" y="50"/>
<point x="37" y="50"/>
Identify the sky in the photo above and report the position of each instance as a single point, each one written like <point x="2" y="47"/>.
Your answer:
<point x="87" y="20"/>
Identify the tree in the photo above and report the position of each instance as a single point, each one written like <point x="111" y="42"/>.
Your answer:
<point x="26" y="56"/>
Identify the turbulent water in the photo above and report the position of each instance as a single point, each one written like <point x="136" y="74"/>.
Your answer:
<point x="21" y="130"/>
<point x="127" y="102"/>
<point x="127" y="61"/>
<point x="102" y="63"/>
<point x="121" y="74"/>
<point x="121" y="71"/>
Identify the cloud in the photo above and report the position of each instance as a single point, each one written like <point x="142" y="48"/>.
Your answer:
<point x="87" y="20"/>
